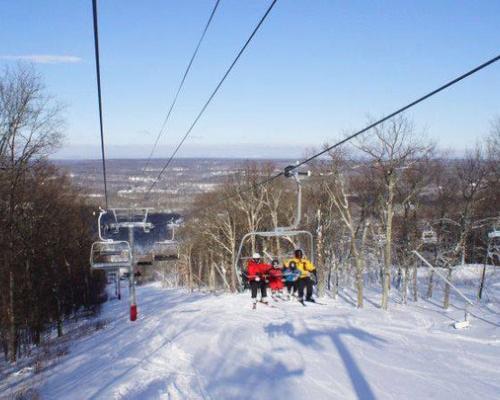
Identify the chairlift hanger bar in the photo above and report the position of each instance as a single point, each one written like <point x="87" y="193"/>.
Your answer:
<point x="99" y="97"/>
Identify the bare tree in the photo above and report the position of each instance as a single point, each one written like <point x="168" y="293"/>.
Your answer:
<point x="336" y="184"/>
<point x="249" y="198"/>
<point x="472" y="175"/>
<point x="29" y="131"/>
<point x="390" y="148"/>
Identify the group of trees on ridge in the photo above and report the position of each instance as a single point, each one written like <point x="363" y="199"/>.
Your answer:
<point x="46" y="228"/>
<point x="367" y="205"/>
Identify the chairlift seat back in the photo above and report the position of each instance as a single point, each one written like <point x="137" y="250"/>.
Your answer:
<point x="167" y="250"/>
<point x="494" y="234"/>
<point x="429" y="236"/>
<point x="110" y="255"/>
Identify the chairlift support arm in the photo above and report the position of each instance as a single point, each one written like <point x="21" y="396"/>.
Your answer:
<point x="289" y="173"/>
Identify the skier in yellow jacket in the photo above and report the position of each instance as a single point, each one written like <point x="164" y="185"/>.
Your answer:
<point x="306" y="268"/>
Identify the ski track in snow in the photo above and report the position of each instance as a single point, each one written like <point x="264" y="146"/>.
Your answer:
<point x="201" y="346"/>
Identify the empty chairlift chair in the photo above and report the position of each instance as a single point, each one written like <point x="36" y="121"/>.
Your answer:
<point x="166" y="250"/>
<point x="494" y="234"/>
<point x="429" y="236"/>
<point x="110" y="255"/>
<point x="493" y="250"/>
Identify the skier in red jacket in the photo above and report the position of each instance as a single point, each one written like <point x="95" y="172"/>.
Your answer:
<point x="257" y="273"/>
<point x="275" y="279"/>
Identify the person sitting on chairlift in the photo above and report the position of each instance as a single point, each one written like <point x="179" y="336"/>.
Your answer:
<point x="257" y="273"/>
<point x="291" y="275"/>
<point x="306" y="269"/>
<point x="276" y="280"/>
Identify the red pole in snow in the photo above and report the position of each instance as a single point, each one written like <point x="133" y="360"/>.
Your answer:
<point x="133" y="312"/>
<point x="133" y="303"/>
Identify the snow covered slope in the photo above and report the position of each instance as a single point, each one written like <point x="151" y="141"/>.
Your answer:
<point x="200" y="346"/>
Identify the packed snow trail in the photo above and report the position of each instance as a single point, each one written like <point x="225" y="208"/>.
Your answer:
<point x="201" y="346"/>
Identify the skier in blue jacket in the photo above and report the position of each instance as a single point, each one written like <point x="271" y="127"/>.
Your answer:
<point x="291" y="274"/>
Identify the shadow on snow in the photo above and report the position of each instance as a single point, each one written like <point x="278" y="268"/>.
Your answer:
<point x="310" y="337"/>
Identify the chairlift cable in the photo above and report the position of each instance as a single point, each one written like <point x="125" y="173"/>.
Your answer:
<point x="181" y="84"/>
<point x="401" y="110"/>
<point x="367" y="128"/>
<point x="214" y="92"/>
<point x="99" y="98"/>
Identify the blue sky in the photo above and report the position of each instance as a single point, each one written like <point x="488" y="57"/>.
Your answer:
<point x="317" y="68"/>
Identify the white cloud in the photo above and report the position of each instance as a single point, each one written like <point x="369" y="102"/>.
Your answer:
<point x="44" y="59"/>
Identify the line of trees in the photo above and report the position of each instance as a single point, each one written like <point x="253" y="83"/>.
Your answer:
<point x="45" y="227"/>
<point x="367" y="205"/>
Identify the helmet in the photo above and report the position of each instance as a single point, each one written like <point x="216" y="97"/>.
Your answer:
<point x="275" y="263"/>
<point x="256" y="256"/>
<point x="298" y="253"/>
<point x="292" y="265"/>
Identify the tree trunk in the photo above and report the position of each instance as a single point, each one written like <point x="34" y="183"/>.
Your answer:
<point x="415" y="282"/>
<point x="200" y="269"/>
<point x="320" y="265"/>
<point x="430" y="285"/>
<point x="359" y="280"/>
<point x="211" y="278"/>
<point x="388" y="244"/>
<point x="335" y="280"/>
<point x="329" y="277"/>
<point x="12" y="342"/>
<point x="332" y="277"/>
<point x="234" y="278"/>
<point x="190" y="271"/>
<point x="483" y="279"/>
<point x="59" y="320"/>
<point x="446" y="301"/>
<point x="406" y="277"/>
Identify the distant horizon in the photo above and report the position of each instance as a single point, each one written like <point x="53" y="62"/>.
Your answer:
<point x="235" y="158"/>
<point x="229" y="151"/>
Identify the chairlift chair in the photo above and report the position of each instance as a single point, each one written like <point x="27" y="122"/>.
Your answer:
<point x="166" y="250"/>
<point x="494" y="234"/>
<point x="286" y="233"/>
<point x="429" y="236"/>
<point x="493" y="249"/>
<point x="380" y="239"/>
<point x="145" y="258"/>
<point x="110" y="255"/>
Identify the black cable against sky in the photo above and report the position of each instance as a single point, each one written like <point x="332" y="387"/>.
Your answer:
<point x="401" y="110"/>
<point x="373" y="125"/>
<point x="214" y="92"/>
<point x="186" y="72"/>
<point x="98" y="76"/>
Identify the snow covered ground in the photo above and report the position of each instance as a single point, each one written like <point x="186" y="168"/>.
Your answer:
<point x="202" y="346"/>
